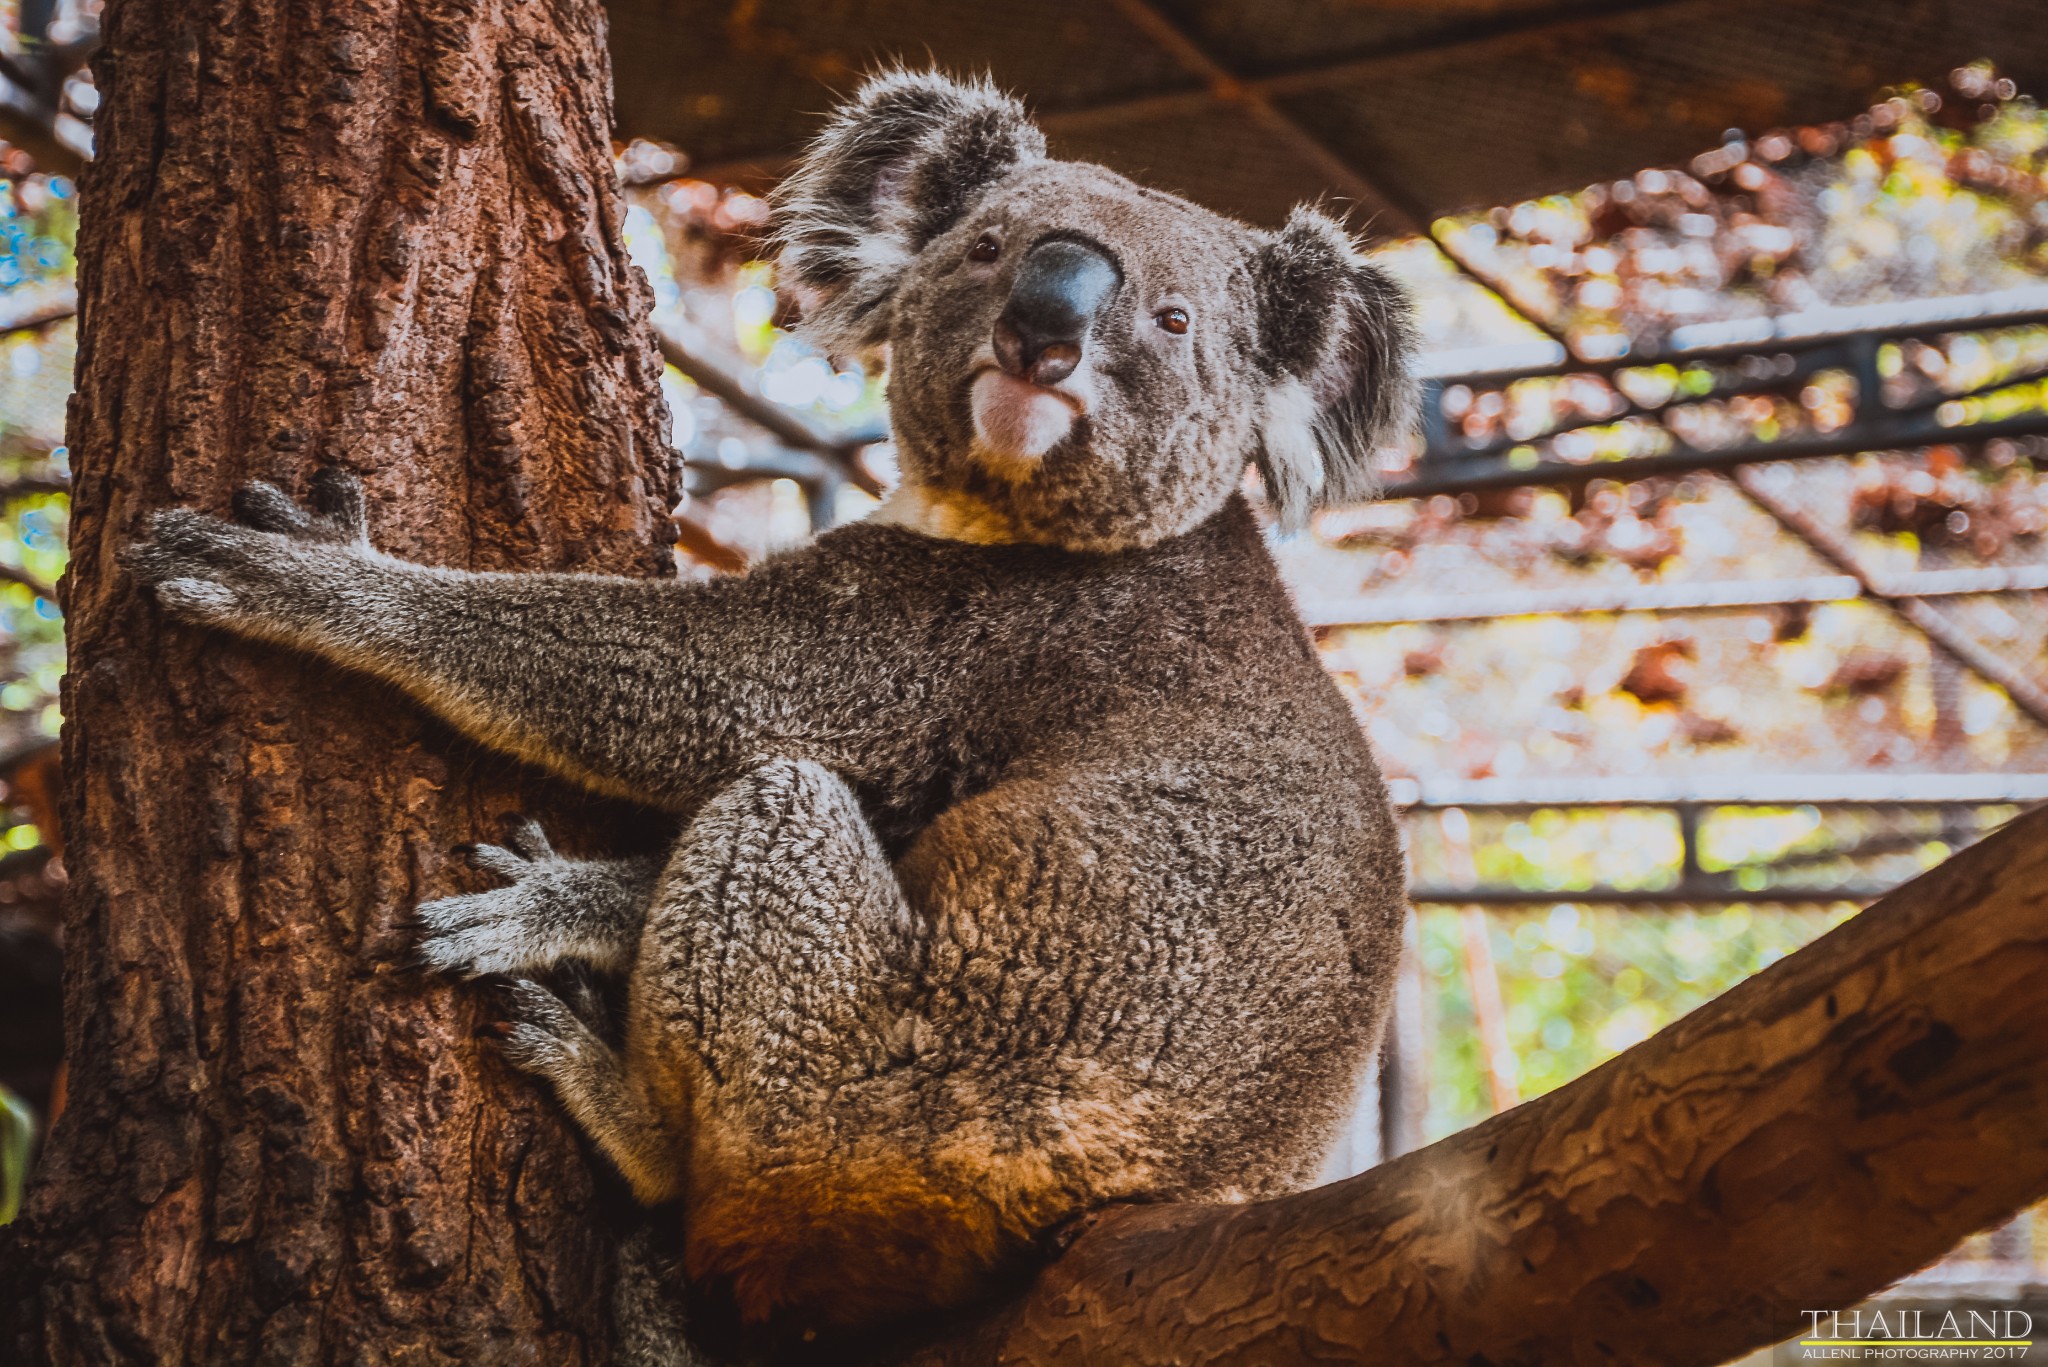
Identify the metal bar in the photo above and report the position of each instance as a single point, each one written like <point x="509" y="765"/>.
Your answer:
<point x="1440" y="447"/>
<point x="1708" y="596"/>
<point x="1689" y="872"/>
<point x="1453" y="476"/>
<point x="1955" y="837"/>
<point x="1439" y="792"/>
<point x="1674" y="896"/>
<point x="1403" y="1082"/>
<point x="1521" y="308"/>
<point x="2022" y="307"/>
<point x="1225" y="85"/>
<point x="2028" y="694"/>
<point x="1313" y="76"/>
<point x="1927" y="403"/>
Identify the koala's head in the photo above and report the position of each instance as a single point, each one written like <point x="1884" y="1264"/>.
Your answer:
<point x="1091" y="362"/>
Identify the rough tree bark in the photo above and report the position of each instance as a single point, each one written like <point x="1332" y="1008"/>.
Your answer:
<point x="1801" y="1142"/>
<point x="383" y="234"/>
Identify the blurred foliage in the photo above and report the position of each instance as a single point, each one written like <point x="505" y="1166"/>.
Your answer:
<point x="38" y="223"/>
<point x="1924" y="195"/>
<point x="38" y="232"/>
<point x="698" y="242"/>
<point x="1580" y="984"/>
<point x="1929" y="192"/>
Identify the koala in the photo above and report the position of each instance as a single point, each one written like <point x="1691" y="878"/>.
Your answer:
<point x="1029" y="860"/>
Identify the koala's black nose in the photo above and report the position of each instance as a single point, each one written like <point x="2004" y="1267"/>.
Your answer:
<point x="1060" y="287"/>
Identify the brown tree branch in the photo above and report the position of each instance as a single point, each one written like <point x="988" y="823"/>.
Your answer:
<point x="788" y="427"/>
<point x="14" y="574"/>
<point x="1825" y="1128"/>
<point x="694" y="537"/>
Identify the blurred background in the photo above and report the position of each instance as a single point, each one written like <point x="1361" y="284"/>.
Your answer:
<point x="1709" y="602"/>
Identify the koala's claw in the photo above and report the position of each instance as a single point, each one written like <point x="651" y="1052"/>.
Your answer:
<point x="337" y="515"/>
<point x="524" y="837"/>
<point x="584" y="996"/>
<point x="507" y="861"/>
<point x="196" y="564"/>
<point x="180" y="542"/>
<point x="338" y="497"/>
<point x="266" y="508"/>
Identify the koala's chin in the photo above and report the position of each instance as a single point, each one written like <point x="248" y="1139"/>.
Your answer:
<point x="1016" y="422"/>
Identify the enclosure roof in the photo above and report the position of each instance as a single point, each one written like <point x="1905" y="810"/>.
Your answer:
<point x="1411" y="108"/>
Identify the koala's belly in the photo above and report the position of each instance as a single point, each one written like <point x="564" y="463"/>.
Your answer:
<point x="1214" y="980"/>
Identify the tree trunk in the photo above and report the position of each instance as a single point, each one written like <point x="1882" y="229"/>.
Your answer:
<point x="1798" y="1144"/>
<point x="383" y="234"/>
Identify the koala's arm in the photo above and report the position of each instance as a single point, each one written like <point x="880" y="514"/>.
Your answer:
<point x="653" y="689"/>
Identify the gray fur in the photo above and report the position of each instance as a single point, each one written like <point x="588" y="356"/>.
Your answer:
<point x="1018" y="878"/>
<point x="647" y="1305"/>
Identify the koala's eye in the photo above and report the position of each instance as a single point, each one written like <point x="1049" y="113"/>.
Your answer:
<point x="985" y="248"/>
<point x="1174" y="321"/>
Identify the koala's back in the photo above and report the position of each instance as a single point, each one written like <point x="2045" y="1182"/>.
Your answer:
<point x="1160" y="890"/>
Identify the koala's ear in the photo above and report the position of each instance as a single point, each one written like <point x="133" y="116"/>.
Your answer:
<point x="1336" y="337"/>
<point x="892" y="170"/>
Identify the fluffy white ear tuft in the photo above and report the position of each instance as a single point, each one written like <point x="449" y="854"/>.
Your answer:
<point x="1292" y="464"/>
<point x="890" y="172"/>
<point x="1336" y="339"/>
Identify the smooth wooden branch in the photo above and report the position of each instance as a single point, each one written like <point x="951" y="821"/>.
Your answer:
<point x="1832" y="1124"/>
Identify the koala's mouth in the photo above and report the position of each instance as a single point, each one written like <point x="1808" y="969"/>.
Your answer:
<point x="1017" y="422"/>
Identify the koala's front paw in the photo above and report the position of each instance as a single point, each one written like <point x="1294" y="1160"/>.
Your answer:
<point x="505" y="930"/>
<point x="206" y="570"/>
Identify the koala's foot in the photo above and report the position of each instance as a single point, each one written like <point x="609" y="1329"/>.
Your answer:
<point x="265" y="568"/>
<point x="543" y="1036"/>
<point x="550" y="909"/>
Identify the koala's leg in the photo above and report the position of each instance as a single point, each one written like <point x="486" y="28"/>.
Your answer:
<point x="776" y="955"/>
<point x="779" y="933"/>
<point x="550" y="909"/>
<point x="546" y="1038"/>
<point x="763" y="975"/>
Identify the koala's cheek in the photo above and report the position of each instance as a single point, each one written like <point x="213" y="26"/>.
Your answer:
<point x="1017" y="421"/>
